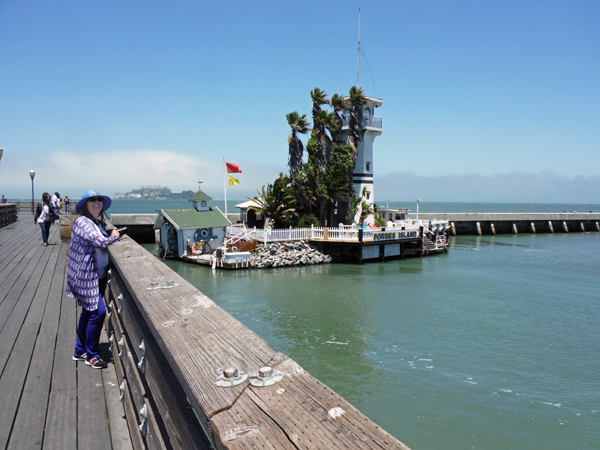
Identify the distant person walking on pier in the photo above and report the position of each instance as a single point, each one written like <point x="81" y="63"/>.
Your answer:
<point x="56" y="202"/>
<point x="4" y="199"/>
<point x="44" y="216"/>
<point x="67" y="205"/>
<point x="87" y="273"/>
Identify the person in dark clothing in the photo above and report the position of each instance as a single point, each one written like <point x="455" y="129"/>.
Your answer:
<point x="44" y="216"/>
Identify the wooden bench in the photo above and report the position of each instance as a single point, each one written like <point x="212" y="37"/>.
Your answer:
<point x="8" y="214"/>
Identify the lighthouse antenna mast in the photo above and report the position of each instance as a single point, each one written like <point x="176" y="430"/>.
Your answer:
<point x="358" y="59"/>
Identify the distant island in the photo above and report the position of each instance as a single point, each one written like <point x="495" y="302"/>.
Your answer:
<point x="155" y="193"/>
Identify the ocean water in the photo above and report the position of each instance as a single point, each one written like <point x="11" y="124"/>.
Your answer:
<point x="494" y="345"/>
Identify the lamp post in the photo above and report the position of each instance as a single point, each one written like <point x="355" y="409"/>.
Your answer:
<point x="32" y="175"/>
<point x="418" y="208"/>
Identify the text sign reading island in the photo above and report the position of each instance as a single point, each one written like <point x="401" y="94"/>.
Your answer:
<point x="394" y="235"/>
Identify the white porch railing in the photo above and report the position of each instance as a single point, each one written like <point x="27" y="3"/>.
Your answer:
<point x="340" y="233"/>
<point x="368" y="121"/>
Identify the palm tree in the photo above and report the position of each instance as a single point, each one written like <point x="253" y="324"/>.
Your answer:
<point x="366" y="209"/>
<point x="338" y="104"/>
<point x="319" y="98"/>
<point x="299" y="124"/>
<point x="276" y="201"/>
<point x="323" y="121"/>
<point x="360" y="204"/>
<point x="356" y="102"/>
<point x="336" y="180"/>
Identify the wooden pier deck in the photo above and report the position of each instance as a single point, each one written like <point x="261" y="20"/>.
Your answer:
<point x="175" y="356"/>
<point x="48" y="400"/>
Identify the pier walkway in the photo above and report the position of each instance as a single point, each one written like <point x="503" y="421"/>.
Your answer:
<point x="48" y="400"/>
<point x="516" y="223"/>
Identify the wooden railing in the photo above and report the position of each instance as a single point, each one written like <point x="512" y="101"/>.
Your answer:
<point x="26" y="206"/>
<point x="8" y="213"/>
<point x="170" y="344"/>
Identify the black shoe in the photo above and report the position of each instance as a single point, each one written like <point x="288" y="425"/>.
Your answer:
<point x="96" y="363"/>
<point x="79" y="357"/>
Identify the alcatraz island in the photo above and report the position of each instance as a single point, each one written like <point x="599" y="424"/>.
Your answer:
<point x="155" y="193"/>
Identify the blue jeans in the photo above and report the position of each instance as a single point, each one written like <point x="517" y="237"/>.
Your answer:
<point x="45" y="226"/>
<point x="90" y="327"/>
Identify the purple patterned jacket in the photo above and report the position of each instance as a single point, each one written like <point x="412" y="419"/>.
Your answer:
<point x="82" y="271"/>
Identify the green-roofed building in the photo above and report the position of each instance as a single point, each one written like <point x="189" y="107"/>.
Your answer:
<point x="201" y="226"/>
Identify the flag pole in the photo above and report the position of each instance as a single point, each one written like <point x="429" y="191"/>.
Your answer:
<point x="225" y="184"/>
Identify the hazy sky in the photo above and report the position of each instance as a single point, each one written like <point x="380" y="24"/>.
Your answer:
<point x="482" y="100"/>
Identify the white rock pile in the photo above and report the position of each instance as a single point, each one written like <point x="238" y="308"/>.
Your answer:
<point x="284" y="254"/>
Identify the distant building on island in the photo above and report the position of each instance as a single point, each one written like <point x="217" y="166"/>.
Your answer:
<point x="155" y="193"/>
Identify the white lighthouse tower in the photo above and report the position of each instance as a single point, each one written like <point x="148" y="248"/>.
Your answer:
<point x="363" y="170"/>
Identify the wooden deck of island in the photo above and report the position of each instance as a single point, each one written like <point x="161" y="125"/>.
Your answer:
<point x="48" y="400"/>
<point x="169" y="343"/>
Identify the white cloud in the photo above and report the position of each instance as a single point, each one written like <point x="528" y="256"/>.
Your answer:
<point x="72" y="173"/>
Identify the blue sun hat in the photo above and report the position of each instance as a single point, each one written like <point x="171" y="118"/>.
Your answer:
<point x="92" y="193"/>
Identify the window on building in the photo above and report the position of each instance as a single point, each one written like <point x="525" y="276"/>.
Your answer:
<point x="368" y="195"/>
<point x="368" y="166"/>
<point x="203" y="203"/>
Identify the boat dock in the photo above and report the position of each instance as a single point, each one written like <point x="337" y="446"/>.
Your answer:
<point x="184" y="373"/>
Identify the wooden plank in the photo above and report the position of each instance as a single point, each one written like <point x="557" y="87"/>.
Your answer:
<point x="57" y="266"/>
<point x="24" y="243"/>
<point x="182" y="426"/>
<point x="92" y="421"/>
<point x="61" y="421"/>
<point x="13" y="378"/>
<point x="153" y="436"/>
<point x="181" y="315"/>
<point x="132" y="376"/>
<point x="16" y="318"/>
<point x="16" y="239"/>
<point x="10" y="244"/>
<point x="320" y="416"/>
<point x="246" y="426"/>
<point x="128" y="406"/>
<point x="11" y="289"/>
<point x="119" y="430"/>
<point x="28" y="429"/>
<point x="132" y="419"/>
<point x="65" y="369"/>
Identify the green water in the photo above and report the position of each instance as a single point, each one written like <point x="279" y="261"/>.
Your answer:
<point x="494" y="345"/>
